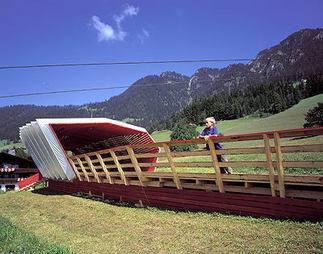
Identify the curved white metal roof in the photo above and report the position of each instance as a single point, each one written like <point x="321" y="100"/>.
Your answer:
<point x="48" y="139"/>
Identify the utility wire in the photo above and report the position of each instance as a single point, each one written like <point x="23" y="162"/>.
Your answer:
<point x="109" y="88"/>
<point x="125" y="86"/>
<point x="124" y="63"/>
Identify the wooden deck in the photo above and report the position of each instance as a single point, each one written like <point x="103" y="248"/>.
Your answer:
<point x="122" y="166"/>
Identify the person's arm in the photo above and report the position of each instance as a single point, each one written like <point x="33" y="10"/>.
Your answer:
<point x="203" y="135"/>
<point x="214" y="133"/>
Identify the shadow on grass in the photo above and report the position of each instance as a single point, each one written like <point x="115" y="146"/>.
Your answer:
<point x="47" y="192"/>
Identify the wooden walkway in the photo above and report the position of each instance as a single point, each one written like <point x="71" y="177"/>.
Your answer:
<point x="123" y="165"/>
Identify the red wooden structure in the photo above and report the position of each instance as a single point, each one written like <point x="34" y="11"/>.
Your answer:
<point x="274" y="194"/>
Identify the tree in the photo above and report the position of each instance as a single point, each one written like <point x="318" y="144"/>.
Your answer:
<point x="183" y="131"/>
<point x="314" y="117"/>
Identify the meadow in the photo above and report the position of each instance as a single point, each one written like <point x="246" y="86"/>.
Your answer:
<point x="72" y="224"/>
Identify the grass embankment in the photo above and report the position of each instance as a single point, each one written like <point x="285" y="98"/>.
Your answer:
<point x="15" y="240"/>
<point x="88" y="226"/>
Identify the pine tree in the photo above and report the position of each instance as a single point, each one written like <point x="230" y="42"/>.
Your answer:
<point x="314" y="117"/>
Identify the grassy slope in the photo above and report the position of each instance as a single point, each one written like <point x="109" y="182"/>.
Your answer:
<point x="292" y="118"/>
<point x="87" y="226"/>
<point x="15" y="240"/>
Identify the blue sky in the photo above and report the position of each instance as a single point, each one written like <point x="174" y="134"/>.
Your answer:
<point x="34" y="32"/>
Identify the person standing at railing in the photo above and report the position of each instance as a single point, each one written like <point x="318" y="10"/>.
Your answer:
<point x="210" y="131"/>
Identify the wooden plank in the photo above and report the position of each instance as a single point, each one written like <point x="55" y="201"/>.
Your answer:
<point x="191" y="153"/>
<point x="242" y="164"/>
<point x="303" y="164"/>
<point x="75" y="169"/>
<point x="135" y="165"/>
<point x="280" y="168"/>
<point x="89" y="162"/>
<point x="83" y="169"/>
<point x="242" y="150"/>
<point x="116" y="162"/>
<point x="150" y="155"/>
<point x="216" y="166"/>
<point x="270" y="164"/>
<point x="106" y="171"/>
<point x="302" y="148"/>
<point x="172" y="166"/>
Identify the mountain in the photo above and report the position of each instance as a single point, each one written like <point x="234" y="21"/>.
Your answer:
<point x="300" y="54"/>
<point x="147" y="100"/>
<point x="156" y="97"/>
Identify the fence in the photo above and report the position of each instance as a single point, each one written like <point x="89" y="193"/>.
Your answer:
<point x="126" y="165"/>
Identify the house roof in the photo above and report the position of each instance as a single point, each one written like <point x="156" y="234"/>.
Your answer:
<point x="12" y="159"/>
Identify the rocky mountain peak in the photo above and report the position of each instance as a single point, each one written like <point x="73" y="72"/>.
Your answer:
<point x="288" y="56"/>
<point x="172" y="75"/>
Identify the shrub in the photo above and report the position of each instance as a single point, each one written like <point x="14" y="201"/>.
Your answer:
<point x="314" y="117"/>
<point x="182" y="131"/>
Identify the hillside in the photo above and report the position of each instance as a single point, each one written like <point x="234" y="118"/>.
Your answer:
<point x="156" y="97"/>
<point x="291" y="118"/>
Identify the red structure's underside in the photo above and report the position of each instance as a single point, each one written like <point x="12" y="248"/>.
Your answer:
<point x="194" y="200"/>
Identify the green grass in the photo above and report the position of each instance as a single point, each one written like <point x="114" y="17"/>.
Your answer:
<point x="292" y="118"/>
<point x="88" y="226"/>
<point x="15" y="240"/>
<point x="161" y="136"/>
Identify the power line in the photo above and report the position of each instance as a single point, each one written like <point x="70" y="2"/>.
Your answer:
<point x="108" y="88"/>
<point x="126" y="86"/>
<point x="124" y="63"/>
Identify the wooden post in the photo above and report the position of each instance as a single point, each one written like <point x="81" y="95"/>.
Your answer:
<point x="135" y="165"/>
<point x="89" y="162"/>
<point x="107" y="173"/>
<point x="117" y="163"/>
<point x="280" y="168"/>
<point x="83" y="169"/>
<point x="75" y="169"/>
<point x="216" y="166"/>
<point x="172" y="166"/>
<point x="270" y="164"/>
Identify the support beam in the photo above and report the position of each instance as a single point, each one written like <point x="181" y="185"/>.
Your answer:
<point x="89" y="162"/>
<point x="270" y="164"/>
<point x="106" y="171"/>
<point x="216" y="166"/>
<point x="135" y="165"/>
<point x="83" y="169"/>
<point x="280" y="168"/>
<point x="117" y="163"/>
<point x="172" y="166"/>
<point x="75" y="169"/>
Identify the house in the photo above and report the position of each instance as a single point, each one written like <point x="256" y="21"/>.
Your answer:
<point x="14" y="169"/>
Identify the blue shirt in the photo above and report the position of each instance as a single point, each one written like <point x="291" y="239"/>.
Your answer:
<point x="210" y="132"/>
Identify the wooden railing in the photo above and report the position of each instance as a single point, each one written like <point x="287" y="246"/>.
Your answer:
<point x="126" y="165"/>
